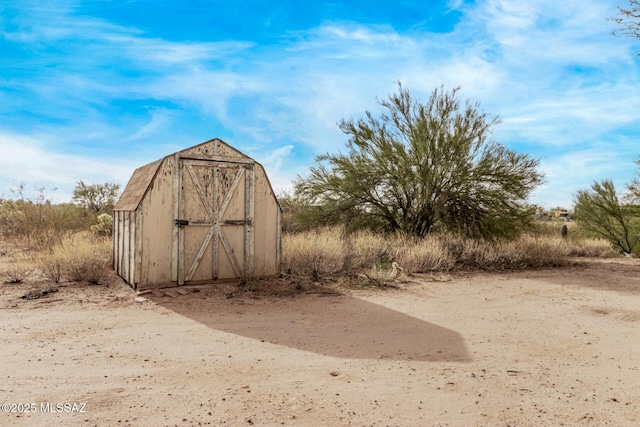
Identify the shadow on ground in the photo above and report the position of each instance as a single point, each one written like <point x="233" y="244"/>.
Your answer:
<point x="612" y="274"/>
<point x="332" y="325"/>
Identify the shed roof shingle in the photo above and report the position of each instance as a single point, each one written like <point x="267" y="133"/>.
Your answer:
<point x="137" y="186"/>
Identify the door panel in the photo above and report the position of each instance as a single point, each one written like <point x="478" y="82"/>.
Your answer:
<point x="215" y="224"/>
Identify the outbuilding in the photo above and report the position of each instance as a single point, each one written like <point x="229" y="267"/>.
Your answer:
<point x="204" y="214"/>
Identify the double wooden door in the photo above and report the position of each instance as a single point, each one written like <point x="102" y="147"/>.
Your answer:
<point x="213" y="227"/>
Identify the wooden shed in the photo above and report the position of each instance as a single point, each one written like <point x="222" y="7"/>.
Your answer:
<point x="203" y="214"/>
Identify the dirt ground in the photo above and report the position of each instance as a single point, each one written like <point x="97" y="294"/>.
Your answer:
<point x="547" y="347"/>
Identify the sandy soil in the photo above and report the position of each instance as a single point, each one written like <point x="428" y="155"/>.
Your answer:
<point x="548" y="347"/>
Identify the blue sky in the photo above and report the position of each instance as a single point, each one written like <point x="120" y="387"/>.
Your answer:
<point x="90" y="90"/>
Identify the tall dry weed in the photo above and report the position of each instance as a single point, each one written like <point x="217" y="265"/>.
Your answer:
<point x="16" y="270"/>
<point x="330" y="251"/>
<point x="314" y="254"/>
<point x="422" y="255"/>
<point x="82" y="257"/>
<point x="592" y="248"/>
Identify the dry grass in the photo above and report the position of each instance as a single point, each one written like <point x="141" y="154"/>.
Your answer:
<point x="81" y="257"/>
<point x="331" y="252"/>
<point x="593" y="248"/>
<point x="16" y="270"/>
<point x="314" y="253"/>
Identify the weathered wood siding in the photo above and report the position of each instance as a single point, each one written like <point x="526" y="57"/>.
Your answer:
<point x="267" y="227"/>
<point x="124" y="245"/>
<point x="150" y="250"/>
<point x="156" y="229"/>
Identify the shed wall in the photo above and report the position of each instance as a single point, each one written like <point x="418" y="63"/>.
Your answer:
<point x="144" y="252"/>
<point x="124" y="245"/>
<point x="266" y="228"/>
<point x="156" y="218"/>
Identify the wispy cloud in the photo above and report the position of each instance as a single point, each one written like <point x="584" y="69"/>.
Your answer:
<point x="563" y="86"/>
<point x="28" y="160"/>
<point x="159" y="119"/>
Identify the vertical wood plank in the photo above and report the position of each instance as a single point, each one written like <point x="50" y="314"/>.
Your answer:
<point x="230" y="253"/>
<point x="278" y="239"/>
<point x="181" y="215"/>
<point x="138" y="248"/>
<point x="114" y="241"/>
<point x="125" y="248"/>
<point x="216" y="218"/>
<point x="249" y="209"/>
<point x="132" y="247"/>
<point x="114" y="233"/>
<point x="176" y="213"/>
<point x="121" y="244"/>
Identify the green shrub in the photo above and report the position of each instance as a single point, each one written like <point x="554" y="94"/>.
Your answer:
<point x="104" y="227"/>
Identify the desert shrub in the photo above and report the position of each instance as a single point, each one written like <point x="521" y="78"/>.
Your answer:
<point x="86" y="259"/>
<point x="16" y="271"/>
<point x="39" y="223"/>
<point x="531" y="251"/>
<point x="602" y="214"/>
<point x="331" y="251"/>
<point x="592" y="248"/>
<point x="81" y="257"/>
<point x="96" y="197"/>
<point x="419" y="167"/>
<point x="369" y="248"/>
<point x="51" y="265"/>
<point x="553" y="228"/>
<point x="313" y="253"/>
<point x="423" y="255"/>
<point x="104" y="227"/>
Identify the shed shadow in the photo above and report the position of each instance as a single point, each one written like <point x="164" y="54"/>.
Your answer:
<point x="610" y="274"/>
<point x="336" y="325"/>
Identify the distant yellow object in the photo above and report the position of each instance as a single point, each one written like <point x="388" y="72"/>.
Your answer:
<point x="396" y="270"/>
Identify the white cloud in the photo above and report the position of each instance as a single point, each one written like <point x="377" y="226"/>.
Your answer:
<point x="28" y="160"/>
<point x="577" y="170"/>
<point x="159" y="119"/>
<point x="279" y="166"/>
<point x="141" y="49"/>
<point x="550" y="69"/>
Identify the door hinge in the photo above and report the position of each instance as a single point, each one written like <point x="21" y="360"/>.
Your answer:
<point x="181" y="222"/>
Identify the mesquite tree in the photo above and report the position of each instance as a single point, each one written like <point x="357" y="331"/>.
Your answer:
<point x="600" y="213"/>
<point x="96" y="197"/>
<point x="419" y="167"/>
<point x="628" y="20"/>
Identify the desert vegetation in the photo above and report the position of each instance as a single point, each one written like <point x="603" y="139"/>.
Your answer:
<point x="602" y="211"/>
<point x="418" y="168"/>
<point x="423" y="188"/>
<point x="367" y="257"/>
<point x="43" y="241"/>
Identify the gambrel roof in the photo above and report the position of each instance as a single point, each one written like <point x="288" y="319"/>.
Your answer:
<point x="142" y="177"/>
<point x="137" y="187"/>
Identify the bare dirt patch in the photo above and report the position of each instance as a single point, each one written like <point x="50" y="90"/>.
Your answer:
<point x="546" y="347"/>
